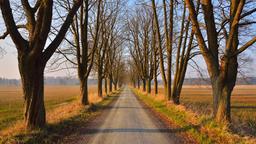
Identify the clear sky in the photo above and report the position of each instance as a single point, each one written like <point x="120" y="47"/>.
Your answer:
<point x="9" y="64"/>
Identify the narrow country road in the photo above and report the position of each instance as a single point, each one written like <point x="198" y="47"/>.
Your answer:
<point x="127" y="122"/>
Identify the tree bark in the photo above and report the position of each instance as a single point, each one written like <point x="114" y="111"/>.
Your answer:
<point x="148" y="85"/>
<point x="100" y="83"/>
<point x="115" y="86"/>
<point x="221" y="101"/>
<point x="106" y="86"/>
<point x="155" y="85"/>
<point x="159" y="42"/>
<point x="32" y="77"/>
<point x="110" y="83"/>
<point x="138" y="83"/>
<point x="225" y="87"/>
<point x="144" y="85"/>
<point x="84" y="91"/>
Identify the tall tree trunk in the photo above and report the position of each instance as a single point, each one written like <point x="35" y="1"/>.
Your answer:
<point x="138" y="83"/>
<point x="175" y="94"/>
<point x="223" y="111"/>
<point x="221" y="101"/>
<point x="216" y="92"/>
<point x="228" y="77"/>
<point x="155" y="60"/>
<point x="148" y="85"/>
<point x="181" y="71"/>
<point x="144" y="84"/>
<point x="32" y="77"/>
<point x="155" y="85"/>
<point x="177" y="87"/>
<point x="110" y="83"/>
<point x="169" y="87"/>
<point x="115" y="86"/>
<point x="84" y="91"/>
<point x="106" y="86"/>
<point x="159" y="42"/>
<point x="100" y="87"/>
<point x="168" y="40"/>
<point x="99" y="83"/>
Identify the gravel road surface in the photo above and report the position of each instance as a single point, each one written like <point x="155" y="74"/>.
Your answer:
<point x="127" y="122"/>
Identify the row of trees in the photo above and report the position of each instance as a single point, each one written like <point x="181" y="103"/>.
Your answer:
<point x="166" y="36"/>
<point x="87" y="33"/>
<point x="96" y="44"/>
<point x="91" y="35"/>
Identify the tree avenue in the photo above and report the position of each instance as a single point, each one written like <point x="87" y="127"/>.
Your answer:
<point x="156" y="42"/>
<point x="213" y="30"/>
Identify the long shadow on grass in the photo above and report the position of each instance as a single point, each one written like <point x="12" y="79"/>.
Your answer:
<point x="54" y="133"/>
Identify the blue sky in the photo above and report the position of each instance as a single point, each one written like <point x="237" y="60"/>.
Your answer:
<point x="9" y="64"/>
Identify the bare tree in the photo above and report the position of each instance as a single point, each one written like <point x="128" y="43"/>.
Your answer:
<point x="108" y="41"/>
<point x="166" y="77"/>
<point x="85" y="47"/>
<point x="142" y="50"/>
<point x="33" y="53"/>
<point x="183" y="55"/>
<point x="222" y="69"/>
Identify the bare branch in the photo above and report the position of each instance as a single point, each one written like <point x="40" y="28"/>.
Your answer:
<point x="245" y="46"/>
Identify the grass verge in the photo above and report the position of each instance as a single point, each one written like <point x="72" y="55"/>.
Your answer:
<point x="202" y="128"/>
<point x="12" y="101"/>
<point x="63" y="123"/>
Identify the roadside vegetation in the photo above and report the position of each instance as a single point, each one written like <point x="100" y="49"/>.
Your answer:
<point x="243" y="110"/>
<point x="11" y="103"/>
<point x="198" y="99"/>
<point x="170" y="41"/>
<point x="201" y="127"/>
<point x="63" y="121"/>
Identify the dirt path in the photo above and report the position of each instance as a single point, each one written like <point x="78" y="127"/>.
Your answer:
<point x="126" y="122"/>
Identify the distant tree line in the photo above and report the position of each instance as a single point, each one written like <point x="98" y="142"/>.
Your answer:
<point x="48" y="81"/>
<point x="9" y="82"/>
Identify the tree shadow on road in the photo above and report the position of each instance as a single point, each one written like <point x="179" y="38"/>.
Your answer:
<point x="56" y="133"/>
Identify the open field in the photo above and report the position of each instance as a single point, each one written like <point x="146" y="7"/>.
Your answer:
<point x="199" y="100"/>
<point x="196" y="127"/>
<point x="11" y="101"/>
<point x="196" y="98"/>
<point x="64" y="123"/>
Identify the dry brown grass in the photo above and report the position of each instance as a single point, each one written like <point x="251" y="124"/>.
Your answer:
<point x="200" y="127"/>
<point x="61" y="102"/>
<point x="54" y="116"/>
<point x="243" y="100"/>
<point x="63" y="121"/>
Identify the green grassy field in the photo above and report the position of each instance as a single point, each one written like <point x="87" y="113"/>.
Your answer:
<point x="11" y="101"/>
